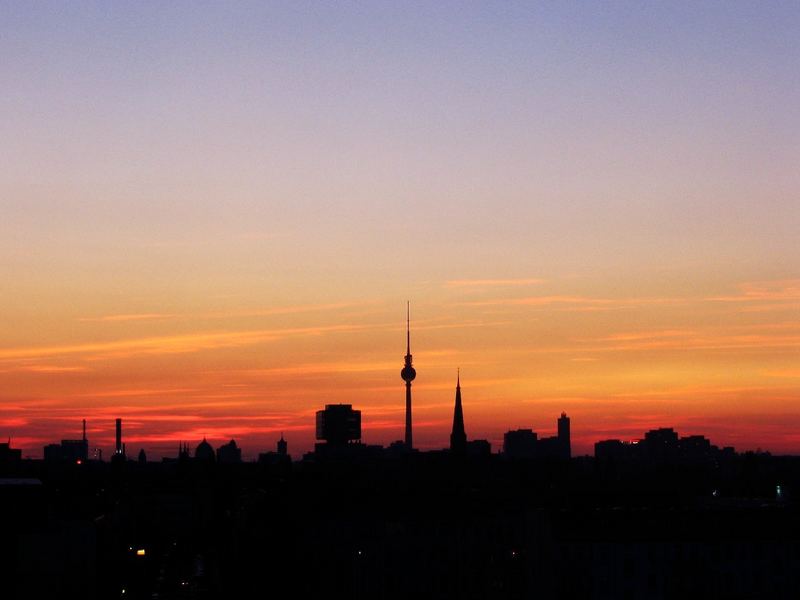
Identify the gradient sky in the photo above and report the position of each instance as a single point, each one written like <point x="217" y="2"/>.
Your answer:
<point x="211" y="218"/>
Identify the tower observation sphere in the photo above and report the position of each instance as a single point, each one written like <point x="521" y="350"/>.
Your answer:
<point x="408" y="373"/>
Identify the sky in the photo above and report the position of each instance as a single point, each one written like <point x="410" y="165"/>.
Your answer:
<point x="212" y="216"/>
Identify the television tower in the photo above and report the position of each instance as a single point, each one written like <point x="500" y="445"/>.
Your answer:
<point x="408" y="374"/>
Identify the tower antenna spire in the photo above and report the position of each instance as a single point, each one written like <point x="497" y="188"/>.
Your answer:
<point x="408" y="327"/>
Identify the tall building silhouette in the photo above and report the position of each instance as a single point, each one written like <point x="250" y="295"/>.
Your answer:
<point x="338" y="424"/>
<point x="408" y="374"/>
<point x="563" y="436"/>
<point x="458" y="437"/>
<point x="283" y="447"/>
<point x="118" y="437"/>
<point x="520" y="443"/>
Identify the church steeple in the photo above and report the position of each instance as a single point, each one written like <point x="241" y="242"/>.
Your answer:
<point x="458" y="437"/>
<point x="408" y="375"/>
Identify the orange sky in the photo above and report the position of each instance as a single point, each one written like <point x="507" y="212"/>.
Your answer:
<point x="721" y="361"/>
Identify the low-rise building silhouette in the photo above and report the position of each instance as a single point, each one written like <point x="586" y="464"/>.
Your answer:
<point x="279" y="457"/>
<point x="229" y="453"/>
<point x="478" y="448"/>
<point x="660" y="445"/>
<point x="9" y="454"/>
<point x="525" y="443"/>
<point x="69" y="450"/>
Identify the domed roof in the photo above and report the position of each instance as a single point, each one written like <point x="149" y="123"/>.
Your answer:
<point x="204" y="451"/>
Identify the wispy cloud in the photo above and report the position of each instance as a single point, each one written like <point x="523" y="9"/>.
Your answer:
<point x="174" y="344"/>
<point x="648" y="335"/>
<point x="709" y="341"/>
<point x="492" y="283"/>
<point x="130" y="317"/>
<point x="43" y="369"/>
<point x="136" y="392"/>
<point x="53" y="369"/>
<point x="582" y="303"/>
<point x="757" y="296"/>
<point x="231" y="314"/>
<point x="331" y="367"/>
<point x="759" y="291"/>
<point x="702" y="391"/>
<point x="459" y="325"/>
<point x="785" y="373"/>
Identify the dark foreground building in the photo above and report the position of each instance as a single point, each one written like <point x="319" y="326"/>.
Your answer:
<point x="419" y="525"/>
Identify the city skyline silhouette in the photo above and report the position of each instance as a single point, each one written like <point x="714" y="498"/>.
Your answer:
<point x="79" y="450"/>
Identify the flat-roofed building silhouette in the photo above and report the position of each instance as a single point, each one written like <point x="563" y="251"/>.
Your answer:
<point x="338" y="424"/>
<point x="520" y="443"/>
<point x="69" y="450"/>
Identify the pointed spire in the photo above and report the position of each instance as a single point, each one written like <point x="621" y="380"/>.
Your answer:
<point x="458" y="437"/>
<point x="408" y="373"/>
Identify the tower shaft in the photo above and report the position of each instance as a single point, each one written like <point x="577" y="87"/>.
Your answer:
<point x="409" y="436"/>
